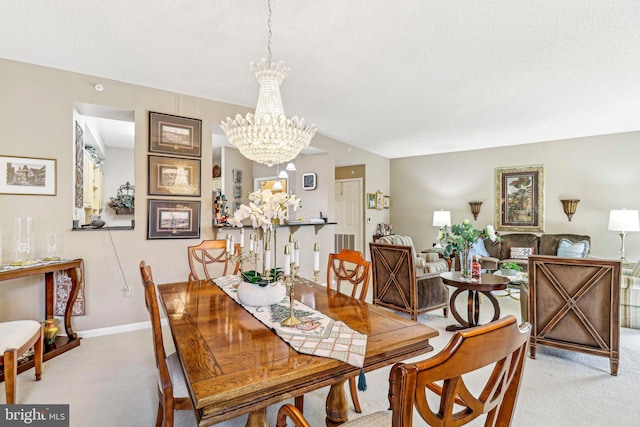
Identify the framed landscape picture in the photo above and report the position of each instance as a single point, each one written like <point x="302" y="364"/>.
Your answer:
<point x="173" y="219"/>
<point x="174" y="135"/>
<point x="28" y="176"/>
<point x="173" y="176"/>
<point x="371" y="200"/>
<point x="520" y="198"/>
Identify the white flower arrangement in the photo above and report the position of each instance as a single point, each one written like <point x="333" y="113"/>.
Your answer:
<point x="265" y="209"/>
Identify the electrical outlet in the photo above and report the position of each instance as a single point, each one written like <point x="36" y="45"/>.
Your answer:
<point x="127" y="291"/>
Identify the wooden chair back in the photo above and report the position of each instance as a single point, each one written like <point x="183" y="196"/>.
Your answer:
<point x="394" y="278"/>
<point x="501" y="344"/>
<point x="349" y="266"/>
<point x="209" y="260"/>
<point x="151" y="300"/>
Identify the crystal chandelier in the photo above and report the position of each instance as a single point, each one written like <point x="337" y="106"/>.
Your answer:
<point x="268" y="136"/>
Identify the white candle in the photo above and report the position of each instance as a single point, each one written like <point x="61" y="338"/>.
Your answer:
<point x="267" y="260"/>
<point x="242" y="238"/>
<point x="228" y="243"/>
<point x="251" y="243"/>
<point x="287" y="263"/>
<point x="296" y="254"/>
<point x="232" y="247"/>
<point x="316" y="257"/>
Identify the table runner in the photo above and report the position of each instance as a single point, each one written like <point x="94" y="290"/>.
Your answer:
<point x="318" y="335"/>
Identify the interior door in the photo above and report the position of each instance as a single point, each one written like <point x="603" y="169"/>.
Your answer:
<point x="348" y="214"/>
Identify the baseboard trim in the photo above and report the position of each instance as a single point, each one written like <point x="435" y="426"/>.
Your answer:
<point x="90" y="333"/>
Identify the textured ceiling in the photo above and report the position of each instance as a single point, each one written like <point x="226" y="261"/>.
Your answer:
<point x="398" y="78"/>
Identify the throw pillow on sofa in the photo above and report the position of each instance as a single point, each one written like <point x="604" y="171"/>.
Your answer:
<point x="478" y="249"/>
<point x="521" y="253"/>
<point x="568" y="249"/>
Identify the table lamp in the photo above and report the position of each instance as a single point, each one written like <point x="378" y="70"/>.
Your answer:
<point x="623" y="221"/>
<point x="441" y="219"/>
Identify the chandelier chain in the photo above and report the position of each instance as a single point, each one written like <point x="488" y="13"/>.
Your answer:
<point x="269" y="33"/>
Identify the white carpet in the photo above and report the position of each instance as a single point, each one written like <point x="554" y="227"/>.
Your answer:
<point x="110" y="381"/>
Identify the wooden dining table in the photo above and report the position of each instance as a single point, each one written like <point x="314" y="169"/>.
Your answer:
<point x="235" y="365"/>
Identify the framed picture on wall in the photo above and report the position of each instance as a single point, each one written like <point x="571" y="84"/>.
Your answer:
<point x="268" y="183"/>
<point x="520" y="198"/>
<point x="386" y="202"/>
<point x="371" y="200"/>
<point x="174" y="135"/>
<point x="379" y="200"/>
<point x="174" y="176"/>
<point x="173" y="219"/>
<point x="27" y="175"/>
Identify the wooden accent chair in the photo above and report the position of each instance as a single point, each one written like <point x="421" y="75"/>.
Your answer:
<point x="172" y="387"/>
<point x="501" y="344"/>
<point x="396" y="285"/>
<point x="209" y="259"/>
<point x="16" y="337"/>
<point x="349" y="266"/>
<point x="574" y="304"/>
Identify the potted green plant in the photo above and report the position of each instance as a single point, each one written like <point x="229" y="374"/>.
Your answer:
<point x="510" y="268"/>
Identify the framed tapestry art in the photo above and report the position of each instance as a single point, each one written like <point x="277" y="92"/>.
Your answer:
<point x="520" y="198"/>
<point x="173" y="176"/>
<point x="174" y="135"/>
<point x="28" y="176"/>
<point x="169" y="219"/>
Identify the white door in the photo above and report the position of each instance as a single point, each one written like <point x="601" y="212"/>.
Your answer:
<point x="349" y="211"/>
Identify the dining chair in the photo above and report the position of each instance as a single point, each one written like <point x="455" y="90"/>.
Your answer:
<point x="172" y="387"/>
<point x="500" y="345"/>
<point x="349" y="266"/>
<point x="209" y="259"/>
<point x="16" y="337"/>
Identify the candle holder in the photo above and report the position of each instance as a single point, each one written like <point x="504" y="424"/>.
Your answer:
<point x="289" y="281"/>
<point x="316" y="275"/>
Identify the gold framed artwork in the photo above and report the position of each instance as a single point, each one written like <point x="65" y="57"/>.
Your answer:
<point x="371" y="200"/>
<point x="267" y="183"/>
<point x="386" y="202"/>
<point x="379" y="200"/>
<point x="27" y="175"/>
<point x="174" y="176"/>
<point x="174" y="135"/>
<point x="520" y="198"/>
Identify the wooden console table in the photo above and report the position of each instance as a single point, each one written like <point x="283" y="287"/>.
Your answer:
<point x="75" y="270"/>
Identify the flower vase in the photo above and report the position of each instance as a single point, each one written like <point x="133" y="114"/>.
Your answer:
<point x="254" y="295"/>
<point x="466" y="261"/>
<point x="50" y="331"/>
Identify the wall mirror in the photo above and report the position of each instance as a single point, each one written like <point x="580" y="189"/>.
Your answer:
<point x="103" y="146"/>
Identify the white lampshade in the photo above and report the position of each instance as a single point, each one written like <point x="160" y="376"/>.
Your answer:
<point x="441" y="218"/>
<point x="277" y="186"/>
<point x="290" y="166"/>
<point x="283" y="174"/>
<point x="624" y="220"/>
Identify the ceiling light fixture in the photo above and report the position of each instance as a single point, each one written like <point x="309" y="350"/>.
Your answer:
<point x="268" y="136"/>
<point x="290" y="166"/>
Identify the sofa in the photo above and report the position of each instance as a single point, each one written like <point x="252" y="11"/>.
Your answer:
<point x="515" y="247"/>
<point x="630" y="297"/>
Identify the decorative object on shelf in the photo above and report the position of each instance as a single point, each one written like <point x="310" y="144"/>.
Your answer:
<point x="623" y="220"/>
<point x="570" y="206"/>
<point x="97" y="222"/>
<point x="216" y="171"/>
<point x="28" y="175"/>
<point x="268" y="136"/>
<point x="124" y="201"/>
<point x="173" y="219"/>
<point x="50" y="331"/>
<point x="460" y="238"/>
<point x="475" y="208"/>
<point x="174" y="135"/>
<point x="309" y="181"/>
<point x="520" y="198"/>
<point x="174" y="176"/>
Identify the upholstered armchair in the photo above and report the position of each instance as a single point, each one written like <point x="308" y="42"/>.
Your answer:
<point x="423" y="262"/>
<point x="630" y="297"/>
<point x="397" y="286"/>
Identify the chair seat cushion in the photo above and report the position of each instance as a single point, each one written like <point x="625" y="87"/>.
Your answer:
<point x="16" y="333"/>
<point x="377" y="419"/>
<point x="177" y="377"/>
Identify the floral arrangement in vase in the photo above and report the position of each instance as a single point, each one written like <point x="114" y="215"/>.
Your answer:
<point x="265" y="209"/>
<point x="460" y="238"/>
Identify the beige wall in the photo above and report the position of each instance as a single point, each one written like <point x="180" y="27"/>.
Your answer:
<point x="36" y="116"/>
<point x="601" y="171"/>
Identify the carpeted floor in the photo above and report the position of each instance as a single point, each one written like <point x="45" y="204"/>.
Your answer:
<point x="110" y="381"/>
